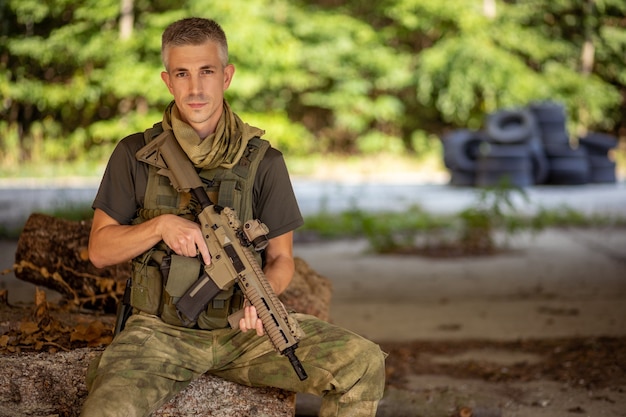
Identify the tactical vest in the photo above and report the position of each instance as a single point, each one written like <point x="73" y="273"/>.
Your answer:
<point x="150" y="291"/>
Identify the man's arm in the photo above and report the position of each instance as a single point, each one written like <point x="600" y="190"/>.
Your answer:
<point x="279" y="263"/>
<point x="111" y="243"/>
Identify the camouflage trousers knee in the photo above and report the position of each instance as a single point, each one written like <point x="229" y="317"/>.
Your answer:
<point x="151" y="361"/>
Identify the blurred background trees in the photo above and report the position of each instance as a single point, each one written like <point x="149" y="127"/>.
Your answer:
<point x="326" y="76"/>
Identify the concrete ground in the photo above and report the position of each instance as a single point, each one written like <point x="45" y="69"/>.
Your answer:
<point x="517" y="294"/>
<point x="557" y="284"/>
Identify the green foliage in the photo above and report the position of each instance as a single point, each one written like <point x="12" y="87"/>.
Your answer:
<point x="492" y="78"/>
<point x="283" y="134"/>
<point x="358" y="77"/>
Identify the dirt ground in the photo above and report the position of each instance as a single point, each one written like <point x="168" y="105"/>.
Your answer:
<point x="537" y="330"/>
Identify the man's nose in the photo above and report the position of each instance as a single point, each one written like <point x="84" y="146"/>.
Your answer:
<point x="196" y="84"/>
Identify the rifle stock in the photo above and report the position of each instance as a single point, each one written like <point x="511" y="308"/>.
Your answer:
<point x="231" y="259"/>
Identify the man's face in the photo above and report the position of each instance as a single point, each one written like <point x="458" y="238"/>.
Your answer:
<point x="197" y="80"/>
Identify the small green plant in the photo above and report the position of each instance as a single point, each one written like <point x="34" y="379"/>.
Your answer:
<point x="494" y="211"/>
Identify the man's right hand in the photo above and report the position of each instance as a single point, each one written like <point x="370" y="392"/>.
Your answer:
<point x="184" y="237"/>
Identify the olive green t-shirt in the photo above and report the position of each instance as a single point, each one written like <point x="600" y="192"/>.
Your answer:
<point x="123" y="188"/>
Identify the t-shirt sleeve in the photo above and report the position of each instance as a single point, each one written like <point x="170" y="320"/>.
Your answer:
<point x="117" y="195"/>
<point x="275" y="202"/>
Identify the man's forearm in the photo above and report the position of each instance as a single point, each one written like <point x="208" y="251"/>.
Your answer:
<point x="279" y="265"/>
<point x="279" y="273"/>
<point x="112" y="244"/>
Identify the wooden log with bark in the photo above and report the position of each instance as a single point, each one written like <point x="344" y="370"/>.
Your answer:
<point x="52" y="252"/>
<point x="42" y="373"/>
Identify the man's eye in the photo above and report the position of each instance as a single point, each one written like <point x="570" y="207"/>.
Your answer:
<point x="180" y="74"/>
<point x="207" y="72"/>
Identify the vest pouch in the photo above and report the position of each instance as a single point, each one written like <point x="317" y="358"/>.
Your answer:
<point x="216" y="314"/>
<point x="184" y="272"/>
<point x="146" y="286"/>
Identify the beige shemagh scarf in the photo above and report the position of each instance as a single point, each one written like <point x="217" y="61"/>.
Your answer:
<point x="223" y="148"/>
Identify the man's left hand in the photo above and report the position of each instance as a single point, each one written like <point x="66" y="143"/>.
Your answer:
<point x="251" y="321"/>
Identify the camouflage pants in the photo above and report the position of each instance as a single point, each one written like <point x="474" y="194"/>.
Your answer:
<point x="150" y="362"/>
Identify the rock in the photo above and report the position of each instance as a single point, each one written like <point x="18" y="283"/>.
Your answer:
<point x="46" y="384"/>
<point x="309" y="292"/>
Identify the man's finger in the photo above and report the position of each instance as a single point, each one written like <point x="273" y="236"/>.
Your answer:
<point x="204" y="252"/>
<point x="259" y="328"/>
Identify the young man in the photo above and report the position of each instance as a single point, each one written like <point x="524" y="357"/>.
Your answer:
<point x="139" y="216"/>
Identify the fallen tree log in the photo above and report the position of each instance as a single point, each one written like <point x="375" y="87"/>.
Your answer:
<point x="52" y="252"/>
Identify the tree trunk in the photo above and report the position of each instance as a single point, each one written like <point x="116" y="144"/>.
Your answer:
<point x="127" y="20"/>
<point x="587" y="60"/>
<point x="587" y="55"/>
<point x="489" y="8"/>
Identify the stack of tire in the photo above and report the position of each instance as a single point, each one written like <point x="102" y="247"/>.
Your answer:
<point x="598" y="147"/>
<point x="509" y="149"/>
<point x="461" y="149"/>
<point x="513" y="151"/>
<point x="567" y="165"/>
<point x="525" y="147"/>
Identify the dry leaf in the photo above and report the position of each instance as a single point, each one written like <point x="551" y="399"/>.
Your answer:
<point x="28" y="327"/>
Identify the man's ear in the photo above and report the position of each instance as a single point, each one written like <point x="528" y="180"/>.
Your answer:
<point x="165" y="76"/>
<point x="229" y="72"/>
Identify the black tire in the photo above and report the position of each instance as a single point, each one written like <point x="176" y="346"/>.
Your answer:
<point x="558" y="150"/>
<point x="551" y="112"/>
<point x="500" y="150"/>
<point x="460" y="149"/>
<point x="504" y="164"/>
<point x="603" y="176"/>
<point x="600" y="161"/>
<point x="551" y="121"/>
<point x="598" y="143"/>
<point x="498" y="161"/>
<point x="592" y="150"/>
<point x="493" y="178"/>
<point x="511" y="126"/>
<point x="540" y="162"/>
<point x="462" y="178"/>
<point x="573" y="170"/>
<point x="601" y="169"/>
<point x="557" y="136"/>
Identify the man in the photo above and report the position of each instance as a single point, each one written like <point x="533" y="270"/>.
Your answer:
<point x="139" y="216"/>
